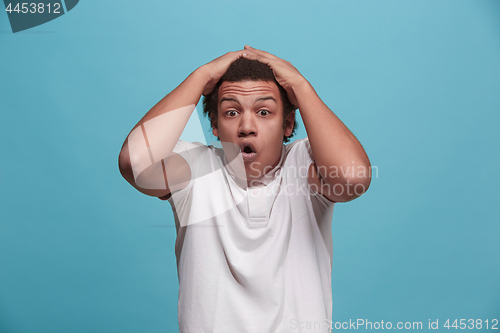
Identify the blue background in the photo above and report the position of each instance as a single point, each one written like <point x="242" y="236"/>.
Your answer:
<point x="418" y="82"/>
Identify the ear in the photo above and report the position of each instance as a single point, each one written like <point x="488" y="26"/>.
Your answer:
<point x="215" y="131"/>
<point x="289" y="122"/>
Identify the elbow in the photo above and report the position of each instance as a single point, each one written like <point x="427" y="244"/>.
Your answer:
<point x="124" y="164"/>
<point x="359" y="186"/>
<point x="349" y="185"/>
<point x="358" y="182"/>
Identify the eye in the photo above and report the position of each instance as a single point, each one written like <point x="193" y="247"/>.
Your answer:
<point x="264" y="113"/>
<point x="231" y="113"/>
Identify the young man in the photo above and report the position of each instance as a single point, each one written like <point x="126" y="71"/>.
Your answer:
<point x="254" y="244"/>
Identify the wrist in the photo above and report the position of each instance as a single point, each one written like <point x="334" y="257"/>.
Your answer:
<point x="300" y="84"/>
<point x="203" y="74"/>
<point x="306" y="96"/>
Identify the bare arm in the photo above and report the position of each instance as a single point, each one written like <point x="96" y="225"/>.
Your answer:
<point x="341" y="171"/>
<point x="146" y="160"/>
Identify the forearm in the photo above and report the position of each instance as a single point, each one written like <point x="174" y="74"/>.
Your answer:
<point x="154" y="137"/>
<point x="336" y="150"/>
<point x="187" y="93"/>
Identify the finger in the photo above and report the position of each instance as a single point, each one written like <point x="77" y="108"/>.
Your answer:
<point x="232" y="56"/>
<point x="264" y="53"/>
<point x="258" y="57"/>
<point x="239" y="53"/>
<point x="249" y="52"/>
<point x="261" y="52"/>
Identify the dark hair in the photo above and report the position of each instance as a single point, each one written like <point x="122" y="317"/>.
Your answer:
<point x="245" y="69"/>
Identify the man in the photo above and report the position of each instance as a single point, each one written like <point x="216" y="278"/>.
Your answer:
<point x="253" y="219"/>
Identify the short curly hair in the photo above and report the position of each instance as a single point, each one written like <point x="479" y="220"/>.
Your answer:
<point x="243" y="69"/>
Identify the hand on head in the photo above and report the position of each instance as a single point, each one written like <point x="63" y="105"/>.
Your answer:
<point x="284" y="72"/>
<point x="217" y="67"/>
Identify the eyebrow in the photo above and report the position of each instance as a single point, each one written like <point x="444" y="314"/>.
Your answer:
<point x="257" y="100"/>
<point x="266" y="98"/>
<point x="228" y="99"/>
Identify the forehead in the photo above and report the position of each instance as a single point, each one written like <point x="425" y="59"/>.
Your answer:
<point x="249" y="89"/>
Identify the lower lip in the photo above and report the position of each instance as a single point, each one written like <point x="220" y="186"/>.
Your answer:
<point x="248" y="157"/>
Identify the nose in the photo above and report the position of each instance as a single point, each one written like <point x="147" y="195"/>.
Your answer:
<point x="247" y="125"/>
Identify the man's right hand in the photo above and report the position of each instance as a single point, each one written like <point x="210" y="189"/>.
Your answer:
<point x="216" y="68"/>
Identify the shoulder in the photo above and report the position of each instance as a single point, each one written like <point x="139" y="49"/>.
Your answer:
<point x="201" y="159"/>
<point x="184" y="146"/>
<point x="299" y="152"/>
<point x="297" y="144"/>
<point x="191" y="151"/>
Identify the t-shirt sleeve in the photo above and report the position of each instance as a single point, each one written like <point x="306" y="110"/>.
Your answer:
<point x="305" y="152"/>
<point x="189" y="151"/>
<point x="302" y="153"/>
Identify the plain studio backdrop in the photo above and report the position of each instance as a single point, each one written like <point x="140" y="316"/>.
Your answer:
<point x="417" y="82"/>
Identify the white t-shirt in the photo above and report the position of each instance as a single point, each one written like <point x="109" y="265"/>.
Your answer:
<point x="253" y="260"/>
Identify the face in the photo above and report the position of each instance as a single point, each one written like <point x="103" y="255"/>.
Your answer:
<point x="250" y="116"/>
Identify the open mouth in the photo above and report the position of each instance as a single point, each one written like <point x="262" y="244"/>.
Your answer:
<point x="248" y="151"/>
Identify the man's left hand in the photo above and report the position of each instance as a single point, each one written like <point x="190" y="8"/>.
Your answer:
<point x="285" y="73"/>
